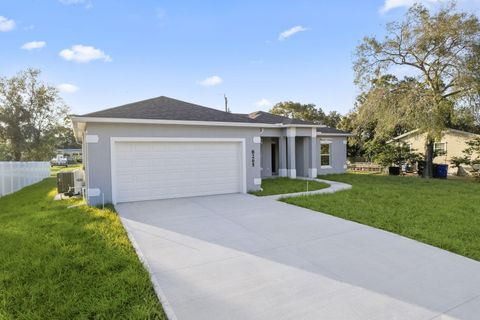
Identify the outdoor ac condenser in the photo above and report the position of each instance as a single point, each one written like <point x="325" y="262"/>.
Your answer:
<point x="70" y="182"/>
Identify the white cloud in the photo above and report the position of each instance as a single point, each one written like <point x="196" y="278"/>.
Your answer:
<point x="263" y="103"/>
<point x="290" y="32"/>
<point x="393" y="4"/>
<point x="211" y="81"/>
<point x="67" y="88"/>
<point x="34" y="45"/>
<point x="84" y="54"/>
<point x="6" y="24"/>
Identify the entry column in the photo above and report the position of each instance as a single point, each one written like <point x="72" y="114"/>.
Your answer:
<point x="291" y="166"/>
<point x="312" y="155"/>
<point x="282" y="156"/>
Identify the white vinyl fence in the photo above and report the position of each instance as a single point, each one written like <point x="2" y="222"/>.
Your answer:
<point x="14" y="175"/>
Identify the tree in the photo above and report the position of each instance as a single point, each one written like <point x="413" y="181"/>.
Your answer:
<point x="307" y="112"/>
<point x="387" y="154"/>
<point x="31" y="116"/>
<point x="297" y="110"/>
<point x="442" y="53"/>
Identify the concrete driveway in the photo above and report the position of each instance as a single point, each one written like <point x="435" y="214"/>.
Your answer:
<point x="243" y="257"/>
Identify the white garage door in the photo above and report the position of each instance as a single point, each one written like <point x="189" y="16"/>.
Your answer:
<point x="173" y="169"/>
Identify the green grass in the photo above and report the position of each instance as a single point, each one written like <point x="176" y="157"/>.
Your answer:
<point x="61" y="263"/>
<point x="286" y="185"/>
<point x="443" y="213"/>
<point x="55" y="169"/>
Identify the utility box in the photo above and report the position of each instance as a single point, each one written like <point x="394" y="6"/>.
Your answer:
<point x="70" y="182"/>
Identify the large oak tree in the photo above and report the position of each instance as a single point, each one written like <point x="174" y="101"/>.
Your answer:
<point x="441" y="53"/>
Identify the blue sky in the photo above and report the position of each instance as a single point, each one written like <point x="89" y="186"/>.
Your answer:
<point x="104" y="53"/>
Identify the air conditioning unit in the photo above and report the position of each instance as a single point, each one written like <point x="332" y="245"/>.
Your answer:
<point x="70" y="182"/>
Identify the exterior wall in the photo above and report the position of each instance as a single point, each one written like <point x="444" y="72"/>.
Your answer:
<point x="338" y="154"/>
<point x="301" y="156"/>
<point x="456" y="143"/>
<point x="98" y="166"/>
<point x="266" y="157"/>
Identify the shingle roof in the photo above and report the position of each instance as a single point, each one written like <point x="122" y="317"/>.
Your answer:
<point x="164" y="108"/>
<point x="330" y="130"/>
<point x="265" y="117"/>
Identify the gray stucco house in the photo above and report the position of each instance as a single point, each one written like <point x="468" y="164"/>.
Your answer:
<point x="165" y="148"/>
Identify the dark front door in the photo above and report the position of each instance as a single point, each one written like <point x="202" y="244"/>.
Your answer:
<point x="274" y="158"/>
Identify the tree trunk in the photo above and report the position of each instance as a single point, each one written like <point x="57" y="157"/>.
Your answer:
<point x="428" y="170"/>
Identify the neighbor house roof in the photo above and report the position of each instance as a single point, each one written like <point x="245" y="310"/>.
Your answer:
<point x="409" y="133"/>
<point x="332" y="131"/>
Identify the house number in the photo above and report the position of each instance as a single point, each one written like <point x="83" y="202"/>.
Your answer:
<point x="253" y="158"/>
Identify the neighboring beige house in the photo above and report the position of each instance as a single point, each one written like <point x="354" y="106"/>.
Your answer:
<point x="453" y="142"/>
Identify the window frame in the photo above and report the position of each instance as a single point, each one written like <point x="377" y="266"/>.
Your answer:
<point x="329" y="154"/>
<point x="443" y="149"/>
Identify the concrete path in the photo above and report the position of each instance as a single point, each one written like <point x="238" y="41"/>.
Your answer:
<point x="244" y="257"/>
<point x="334" y="187"/>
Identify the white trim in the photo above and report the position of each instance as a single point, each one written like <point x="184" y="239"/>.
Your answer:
<point x="114" y="140"/>
<point x="91" y="138"/>
<point x="322" y="141"/>
<point x="334" y="134"/>
<point x="325" y="167"/>
<point x="312" y="172"/>
<point x="93" y="192"/>
<point x="291" y="132"/>
<point x="282" y="172"/>
<point x="314" y="132"/>
<point x="292" y="173"/>
<point x="257" y="181"/>
<point x="78" y="120"/>
<point x="257" y="140"/>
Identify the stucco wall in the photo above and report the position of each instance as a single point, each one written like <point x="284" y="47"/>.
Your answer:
<point x="338" y="155"/>
<point x="98" y="154"/>
<point x="266" y="157"/>
<point x="456" y="143"/>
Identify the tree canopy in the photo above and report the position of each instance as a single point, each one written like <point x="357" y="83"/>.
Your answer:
<point x="441" y="54"/>
<point x="33" y="117"/>
<point x="307" y="112"/>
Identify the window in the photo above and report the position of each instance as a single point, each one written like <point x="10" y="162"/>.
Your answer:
<point x="440" y="147"/>
<point x="325" y="155"/>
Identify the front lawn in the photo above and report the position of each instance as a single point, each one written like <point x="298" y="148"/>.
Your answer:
<point x="68" y="263"/>
<point x="287" y="185"/>
<point x="443" y="213"/>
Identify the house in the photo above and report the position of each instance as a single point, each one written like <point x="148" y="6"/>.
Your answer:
<point x="71" y="153"/>
<point x="452" y="144"/>
<point x="165" y="148"/>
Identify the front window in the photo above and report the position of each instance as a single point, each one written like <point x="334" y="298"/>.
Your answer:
<point x="325" y="155"/>
<point x="440" y="147"/>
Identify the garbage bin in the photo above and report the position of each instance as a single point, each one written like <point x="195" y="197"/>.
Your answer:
<point x="441" y="171"/>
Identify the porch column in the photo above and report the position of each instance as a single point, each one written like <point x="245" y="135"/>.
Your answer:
<point x="282" y="156"/>
<point x="291" y="166"/>
<point x="312" y="159"/>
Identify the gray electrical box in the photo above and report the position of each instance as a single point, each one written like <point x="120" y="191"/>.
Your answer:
<point x="70" y="182"/>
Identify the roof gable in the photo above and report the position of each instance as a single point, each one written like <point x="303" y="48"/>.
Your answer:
<point x="164" y="108"/>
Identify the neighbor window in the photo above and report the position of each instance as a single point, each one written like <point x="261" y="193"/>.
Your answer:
<point x="325" y="155"/>
<point x="440" y="147"/>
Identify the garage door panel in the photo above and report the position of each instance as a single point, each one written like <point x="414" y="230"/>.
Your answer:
<point x="160" y="170"/>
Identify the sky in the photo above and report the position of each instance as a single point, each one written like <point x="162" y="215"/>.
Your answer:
<point x="105" y="53"/>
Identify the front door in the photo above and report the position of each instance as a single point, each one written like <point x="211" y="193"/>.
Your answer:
<point x="274" y="158"/>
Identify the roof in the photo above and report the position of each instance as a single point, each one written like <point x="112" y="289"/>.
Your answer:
<point x="332" y="131"/>
<point x="406" y="134"/>
<point x="265" y="117"/>
<point x="165" y="108"/>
